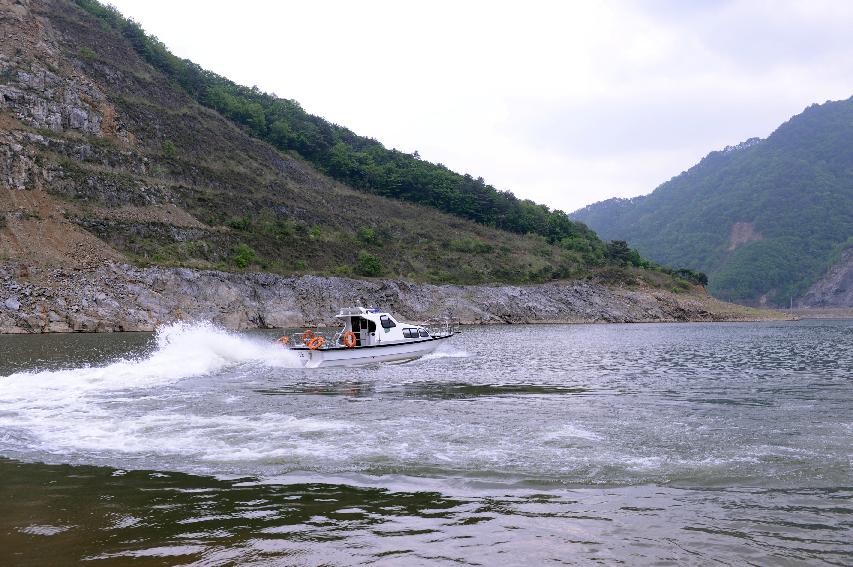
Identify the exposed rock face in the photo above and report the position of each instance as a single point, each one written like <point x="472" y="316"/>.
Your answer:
<point x="835" y="289"/>
<point x="117" y="297"/>
<point x="39" y="86"/>
<point x="741" y="233"/>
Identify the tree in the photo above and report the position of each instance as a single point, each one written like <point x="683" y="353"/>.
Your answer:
<point x="169" y="149"/>
<point x="368" y="265"/>
<point x="244" y="255"/>
<point x="618" y="252"/>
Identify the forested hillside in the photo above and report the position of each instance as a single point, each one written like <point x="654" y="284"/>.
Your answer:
<point x="362" y="163"/>
<point x="112" y="149"/>
<point x="764" y="218"/>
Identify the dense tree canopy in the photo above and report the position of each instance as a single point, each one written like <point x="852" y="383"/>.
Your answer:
<point x="764" y="218"/>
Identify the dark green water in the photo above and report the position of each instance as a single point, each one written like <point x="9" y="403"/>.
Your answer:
<point x="636" y="444"/>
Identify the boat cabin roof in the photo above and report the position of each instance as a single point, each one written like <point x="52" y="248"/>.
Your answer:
<point x="368" y="313"/>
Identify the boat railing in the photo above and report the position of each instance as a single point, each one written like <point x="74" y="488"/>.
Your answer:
<point x="298" y="338"/>
<point x="440" y="328"/>
<point x="437" y="328"/>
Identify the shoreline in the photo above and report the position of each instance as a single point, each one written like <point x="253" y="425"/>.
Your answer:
<point x="115" y="297"/>
<point x="821" y="313"/>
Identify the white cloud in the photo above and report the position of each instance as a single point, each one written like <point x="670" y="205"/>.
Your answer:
<point x="564" y="103"/>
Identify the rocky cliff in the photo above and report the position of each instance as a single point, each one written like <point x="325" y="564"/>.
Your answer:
<point x="118" y="297"/>
<point x="835" y="288"/>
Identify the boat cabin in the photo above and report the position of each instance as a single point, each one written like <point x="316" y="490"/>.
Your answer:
<point x="373" y="327"/>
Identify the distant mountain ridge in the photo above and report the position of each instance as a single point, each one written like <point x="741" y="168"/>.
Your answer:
<point x="764" y="219"/>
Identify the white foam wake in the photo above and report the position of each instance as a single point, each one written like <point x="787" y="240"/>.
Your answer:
<point x="105" y="408"/>
<point x="182" y="350"/>
<point x="446" y="353"/>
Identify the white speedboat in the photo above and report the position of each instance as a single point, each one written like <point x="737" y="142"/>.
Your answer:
<point x="367" y="336"/>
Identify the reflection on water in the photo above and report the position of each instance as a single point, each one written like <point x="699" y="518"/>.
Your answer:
<point x="666" y="444"/>
<point x="423" y="390"/>
<point x="89" y="513"/>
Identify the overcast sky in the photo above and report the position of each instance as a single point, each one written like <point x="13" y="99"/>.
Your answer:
<point x="565" y="103"/>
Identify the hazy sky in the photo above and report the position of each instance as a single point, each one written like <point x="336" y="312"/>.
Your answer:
<point x="565" y="103"/>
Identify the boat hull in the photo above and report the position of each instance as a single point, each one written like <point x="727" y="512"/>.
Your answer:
<point x="359" y="356"/>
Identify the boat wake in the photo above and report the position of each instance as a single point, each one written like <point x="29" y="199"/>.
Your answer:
<point x="182" y="350"/>
<point x="446" y="352"/>
<point x="133" y="404"/>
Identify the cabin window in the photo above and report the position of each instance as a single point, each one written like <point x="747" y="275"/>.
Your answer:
<point x="424" y="333"/>
<point x="410" y="333"/>
<point x="386" y="321"/>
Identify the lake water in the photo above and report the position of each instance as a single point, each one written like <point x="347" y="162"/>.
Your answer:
<point x="664" y="444"/>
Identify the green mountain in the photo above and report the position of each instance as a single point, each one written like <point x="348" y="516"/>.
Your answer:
<point x="360" y="162"/>
<point x="764" y="219"/>
<point x="112" y="148"/>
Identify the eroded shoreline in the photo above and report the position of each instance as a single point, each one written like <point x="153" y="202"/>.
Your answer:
<point x="118" y="297"/>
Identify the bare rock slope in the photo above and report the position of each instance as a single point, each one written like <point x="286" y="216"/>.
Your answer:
<point x="118" y="297"/>
<point x="105" y="158"/>
<point x="835" y="289"/>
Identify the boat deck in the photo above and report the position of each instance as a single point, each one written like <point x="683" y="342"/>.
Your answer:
<point x="328" y="346"/>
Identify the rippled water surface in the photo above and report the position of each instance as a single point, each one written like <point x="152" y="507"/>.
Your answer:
<point x="649" y="444"/>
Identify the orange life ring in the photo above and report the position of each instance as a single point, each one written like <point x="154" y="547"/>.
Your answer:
<point x="283" y="340"/>
<point x="316" y="343"/>
<point x="349" y="339"/>
<point x="307" y="336"/>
